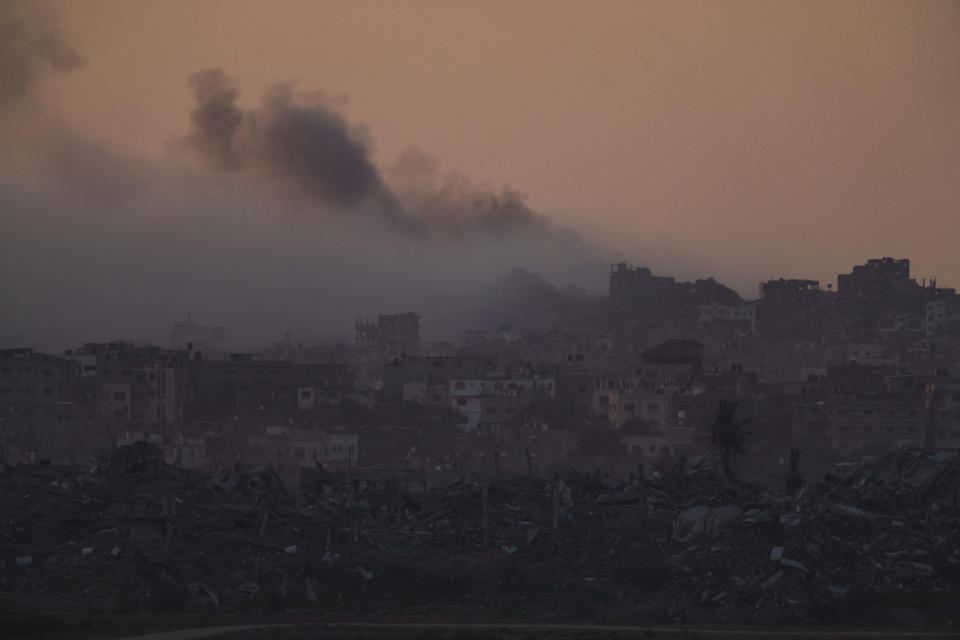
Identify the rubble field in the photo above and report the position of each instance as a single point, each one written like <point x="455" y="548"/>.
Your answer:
<point x="136" y="536"/>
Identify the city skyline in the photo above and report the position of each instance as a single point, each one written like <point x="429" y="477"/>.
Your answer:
<point x="658" y="131"/>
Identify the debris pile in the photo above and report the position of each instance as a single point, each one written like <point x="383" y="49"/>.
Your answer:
<point x="134" y="534"/>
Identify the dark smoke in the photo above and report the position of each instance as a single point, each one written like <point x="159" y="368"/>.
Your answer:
<point x="313" y="148"/>
<point x="308" y="147"/>
<point x="30" y="45"/>
<point x="454" y="204"/>
<point x="216" y="119"/>
<point x="132" y="244"/>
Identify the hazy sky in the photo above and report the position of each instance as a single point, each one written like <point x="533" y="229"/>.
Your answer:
<point x="754" y="138"/>
<point x="739" y="139"/>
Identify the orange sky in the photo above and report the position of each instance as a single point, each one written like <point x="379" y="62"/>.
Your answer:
<point x="739" y="139"/>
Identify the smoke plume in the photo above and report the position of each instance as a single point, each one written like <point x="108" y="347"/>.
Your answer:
<point x="287" y="226"/>
<point x="30" y="45"/>
<point x="312" y="148"/>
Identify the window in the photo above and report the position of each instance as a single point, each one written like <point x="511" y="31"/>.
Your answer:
<point x="461" y="401"/>
<point x="461" y="385"/>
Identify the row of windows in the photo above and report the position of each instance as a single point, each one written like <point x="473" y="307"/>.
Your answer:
<point x="25" y="391"/>
<point x="869" y="412"/>
<point x="867" y="428"/>
<point x="47" y="373"/>
<point x="300" y="454"/>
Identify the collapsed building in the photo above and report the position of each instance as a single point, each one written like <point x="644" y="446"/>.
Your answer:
<point x="689" y="544"/>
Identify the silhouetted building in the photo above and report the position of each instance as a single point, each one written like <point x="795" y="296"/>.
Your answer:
<point x="391" y="335"/>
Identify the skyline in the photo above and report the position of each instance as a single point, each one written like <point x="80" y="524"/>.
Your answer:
<point x="742" y="140"/>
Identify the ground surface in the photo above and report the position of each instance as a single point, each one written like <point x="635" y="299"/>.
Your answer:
<point x="294" y="626"/>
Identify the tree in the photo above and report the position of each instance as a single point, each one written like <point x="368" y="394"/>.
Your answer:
<point x="729" y="435"/>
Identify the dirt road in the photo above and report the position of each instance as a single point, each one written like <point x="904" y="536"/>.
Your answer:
<point x="483" y="631"/>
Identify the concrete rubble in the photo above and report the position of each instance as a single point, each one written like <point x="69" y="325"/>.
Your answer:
<point x="134" y="535"/>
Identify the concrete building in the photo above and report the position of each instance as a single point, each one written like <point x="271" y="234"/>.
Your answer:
<point x="740" y="316"/>
<point x="672" y="361"/>
<point x="881" y="281"/>
<point x="651" y="409"/>
<point x="942" y="314"/>
<point x="391" y="336"/>
<point x="32" y="384"/>
<point x="498" y="401"/>
<point x="426" y="380"/>
<point x="290" y="450"/>
<point x="310" y="398"/>
<point x="883" y="424"/>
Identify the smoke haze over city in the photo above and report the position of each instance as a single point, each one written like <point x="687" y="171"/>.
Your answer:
<point x="745" y="142"/>
<point x="477" y="319"/>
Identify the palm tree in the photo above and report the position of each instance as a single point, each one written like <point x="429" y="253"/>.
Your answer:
<point x="729" y="435"/>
